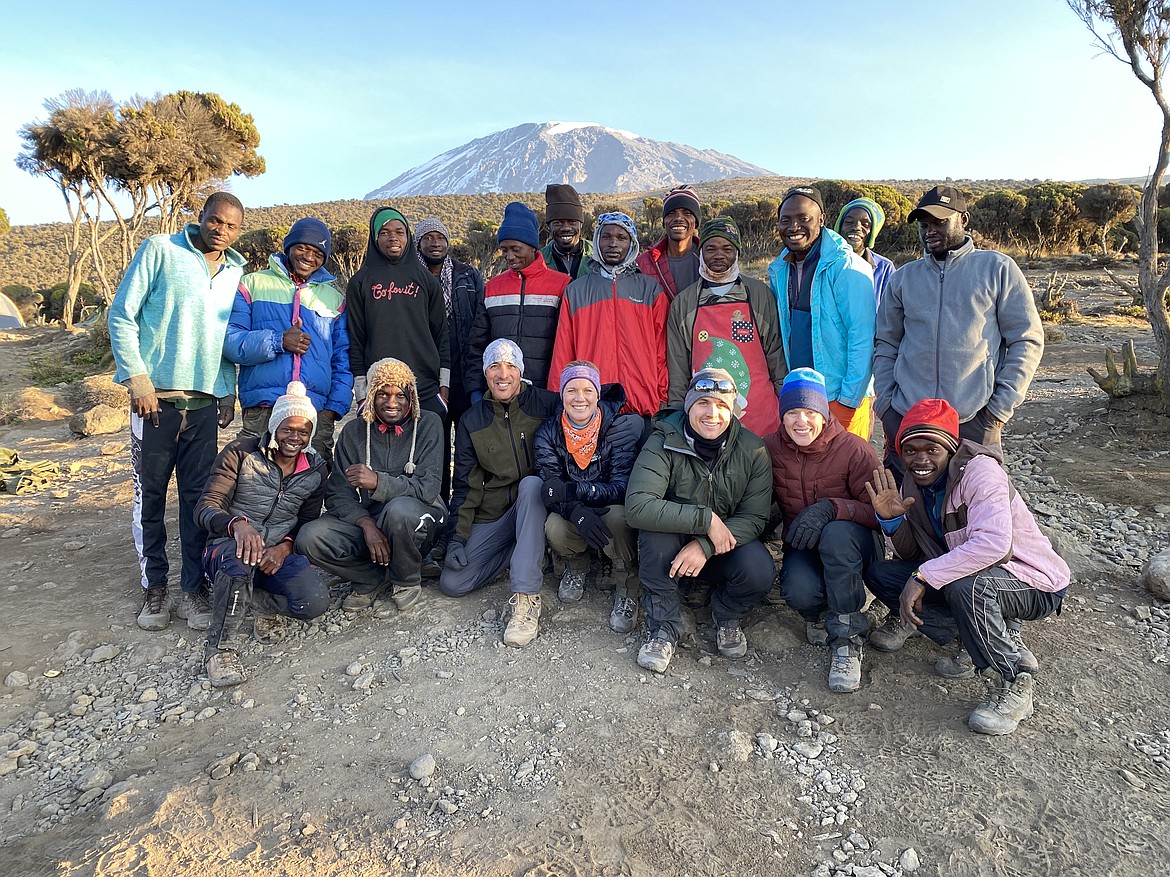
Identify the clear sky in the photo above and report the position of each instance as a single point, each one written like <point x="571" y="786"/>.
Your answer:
<point x="347" y="95"/>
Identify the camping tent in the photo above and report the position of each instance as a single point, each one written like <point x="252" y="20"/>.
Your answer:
<point x="10" y="317"/>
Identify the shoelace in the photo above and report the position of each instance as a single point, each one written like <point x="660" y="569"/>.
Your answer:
<point x="232" y="662"/>
<point x="625" y="606"/>
<point x="155" y="600"/>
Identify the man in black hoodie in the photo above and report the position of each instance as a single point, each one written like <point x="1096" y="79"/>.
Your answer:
<point x="395" y="308"/>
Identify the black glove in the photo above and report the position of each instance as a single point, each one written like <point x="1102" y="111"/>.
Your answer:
<point x="557" y="492"/>
<point x="626" y="431"/>
<point x="589" y="524"/>
<point x="805" y="530"/>
<point x="456" y="555"/>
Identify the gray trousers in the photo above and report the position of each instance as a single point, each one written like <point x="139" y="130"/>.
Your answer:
<point x="339" y="547"/>
<point x="516" y="540"/>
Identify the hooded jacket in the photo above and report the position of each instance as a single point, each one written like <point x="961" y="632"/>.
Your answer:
<point x="836" y="466"/>
<point x="601" y="483"/>
<point x="843" y="317"/>
<point x="985" y="523"/>
<point x="672" y="490"/>
<point x="266" y="304"/>
<point x="493" y="451"/>
<point x="655" y="262"/>
<point x="246" y="482"/>
<point x="523" y="307"/>
<point x="965" y="330"/>
<point x="615" y="317"/>
<point x="395" y="308"/>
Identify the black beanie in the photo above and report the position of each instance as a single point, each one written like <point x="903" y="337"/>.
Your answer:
<point x="562" y="202"/>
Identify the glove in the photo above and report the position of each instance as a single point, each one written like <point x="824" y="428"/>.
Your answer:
<point x="456" y="555"/>
<point x="626" y="431"/>
<point x="589" y="524"/>
<point x="557" y="492"/>
<point x="805" y="530"/>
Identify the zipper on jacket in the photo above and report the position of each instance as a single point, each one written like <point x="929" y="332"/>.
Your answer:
<point x="942" y="271"/>
<point x="512" y="439"/>
<point x="520" y="322"/>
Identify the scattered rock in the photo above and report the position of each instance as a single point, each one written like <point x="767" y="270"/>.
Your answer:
<point x="16" y="679"/>
<point x="909" y="861"/>
<point x="103" y="653"/>
<point x="100" y="420"/>
<point x="1156" y="575"/>
<point x="423" y="766"/>
<point x="96" y="777"/>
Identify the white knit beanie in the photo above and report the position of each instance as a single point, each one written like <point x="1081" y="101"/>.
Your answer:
<point x="294" y="403"/>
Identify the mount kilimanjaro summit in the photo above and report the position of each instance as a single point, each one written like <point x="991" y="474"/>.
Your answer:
<point x="590" y="157"/>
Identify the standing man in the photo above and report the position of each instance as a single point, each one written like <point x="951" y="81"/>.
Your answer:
<point x="522" y="304"/>
<point x="564" y="218"/>
<point x="615" y="317"/>
<point x="824" y="295"/>
<point x="674" y="260"/>
<point x="382" y="502"/>
<point x="700" y="494"/>
<point x="288" y="324"/>
<point x="167" y="324"/>
<point x="859" y="223"/>
<point x="958" y="324"/>
<point x="729" y="321"/>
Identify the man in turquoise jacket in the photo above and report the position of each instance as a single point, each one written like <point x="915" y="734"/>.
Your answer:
<point x="824" y="295"/>
<point x="167" y="323"/>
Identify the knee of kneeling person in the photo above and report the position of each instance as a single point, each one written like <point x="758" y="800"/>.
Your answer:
<point x="530" y="487"/>
<point x="311" y="605"/>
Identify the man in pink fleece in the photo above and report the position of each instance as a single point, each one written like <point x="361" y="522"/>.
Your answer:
<point x="970" y="560"/>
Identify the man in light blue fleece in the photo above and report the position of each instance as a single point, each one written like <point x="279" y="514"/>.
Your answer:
<point x="167" y="324"/>
<point x="959" y="324"/>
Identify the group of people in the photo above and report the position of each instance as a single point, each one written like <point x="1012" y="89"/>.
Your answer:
<point x="657" y="411"/>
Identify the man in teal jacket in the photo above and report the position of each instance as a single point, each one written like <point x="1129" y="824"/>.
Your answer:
<point x="824" y="295"/>
<point x="167" y="323"/>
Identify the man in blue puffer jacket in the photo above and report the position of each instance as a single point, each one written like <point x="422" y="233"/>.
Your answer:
<point x="288" y="323"/>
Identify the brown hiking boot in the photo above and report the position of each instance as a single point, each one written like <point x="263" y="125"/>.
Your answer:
<point x="268" y="629"/>
<point x="523" y="621"/>
<point x="225" y="669"/>
<point x="155" y="613"/>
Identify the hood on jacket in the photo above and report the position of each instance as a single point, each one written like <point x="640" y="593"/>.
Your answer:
<point x="627" y="264"/>
<point x="373" y="254"/>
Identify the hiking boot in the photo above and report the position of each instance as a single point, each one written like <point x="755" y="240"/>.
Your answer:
<point x="432" y="567"/>
<point x="959" y="667"/>
<point x="731" y="641"/>
<point x="655" y="654"/>
<point x="774" y="597"/>
<point x="624" y="615"/>
<point x="225" y="669"/>
<point x="572" y="586"/>
<point x="815" y="633"/>
<point x="523" y="622"/>
<point x="1027" y="662"/>
<point x="358" y="601"/>
<point x="406" y="597"/>
<point x="1007" y="704"/>
<point x="845" y="669"/>
<point x="892" y="635"/>
<point x="195" y="608"/>
<point x="268" y="629"/>
<point x="155" y="613"/>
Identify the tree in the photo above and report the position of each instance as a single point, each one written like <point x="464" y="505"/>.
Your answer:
<point x="1002" y="215"/>
<point x="349" y="250"/>
<point x="481" y="244"/>
<point x="1106" y="206"/>
<point x="1137" y="33"/>
<point x="4" y="225"/>
<point x="1053" y="220"/>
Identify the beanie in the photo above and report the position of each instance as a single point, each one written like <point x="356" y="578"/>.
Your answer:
<point x="385" y="215"/>
<point x="519" y="225"/>
<point x="586" y="370"/>
<point x="383" y="373"/>
<point x="294" y="403"/>
<point x="804" y="388"/>
<point x="685" y="197"/>
<point x="561" y="201"/>
<point x="721" y="227"/>
<point x="309" y="231"/>
<point x="426" y="226"/>
<point x="504" y="350"/>
<point x="877" y="217"/>
<point x="716" y="383"/>
<point x="934" y="419"/>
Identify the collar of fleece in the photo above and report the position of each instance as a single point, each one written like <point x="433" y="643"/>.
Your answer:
<point x="627" y="265"/>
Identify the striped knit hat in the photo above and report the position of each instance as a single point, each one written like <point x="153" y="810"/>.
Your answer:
<point x="932" y="419"/>
<point x="804" y="388"/>
<point x="877" y="217"/>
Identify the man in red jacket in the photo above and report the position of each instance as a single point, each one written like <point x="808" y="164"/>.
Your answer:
<point x="674" y="260"/>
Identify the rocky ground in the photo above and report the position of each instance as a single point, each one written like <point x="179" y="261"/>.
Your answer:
<point x="417" y="744"/>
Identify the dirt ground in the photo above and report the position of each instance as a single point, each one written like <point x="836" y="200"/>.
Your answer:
<point x="564" y="758"/>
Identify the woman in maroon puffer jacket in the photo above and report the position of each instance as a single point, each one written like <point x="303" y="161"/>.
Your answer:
<point x="819" y="473"/>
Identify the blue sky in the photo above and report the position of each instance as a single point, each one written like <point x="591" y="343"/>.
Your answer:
<point x="347" y="95"/>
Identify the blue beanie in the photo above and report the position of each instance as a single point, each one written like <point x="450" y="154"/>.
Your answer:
<point x="312" y="232"/>
<point x="519" y="225"/>
<point x="804" y="388"/>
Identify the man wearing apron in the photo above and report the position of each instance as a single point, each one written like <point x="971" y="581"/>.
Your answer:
<point x="727" y="321"/>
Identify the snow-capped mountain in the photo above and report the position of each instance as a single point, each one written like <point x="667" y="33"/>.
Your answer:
<point x="590" y="157"/>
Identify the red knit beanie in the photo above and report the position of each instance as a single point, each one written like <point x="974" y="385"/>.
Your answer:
<point x="934" y="419"/>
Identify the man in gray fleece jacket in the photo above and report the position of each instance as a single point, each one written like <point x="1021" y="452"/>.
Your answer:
<point x="383" y="510"/>
<point x="958" y="324"/>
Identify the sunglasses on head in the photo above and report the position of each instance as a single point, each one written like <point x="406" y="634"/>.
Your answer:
<point x="707" y="385"/>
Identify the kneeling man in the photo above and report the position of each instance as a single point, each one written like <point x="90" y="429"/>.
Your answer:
<point x="701" y="492"/>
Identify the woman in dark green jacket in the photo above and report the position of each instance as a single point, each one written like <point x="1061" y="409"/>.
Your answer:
<point x="700" y="494"/>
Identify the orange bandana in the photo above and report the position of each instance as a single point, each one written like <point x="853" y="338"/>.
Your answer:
<point x="581" y="441"/>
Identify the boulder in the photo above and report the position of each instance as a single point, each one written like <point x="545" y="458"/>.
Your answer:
<point x="1156" y="576"/>
<point x="100" y="420"/>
